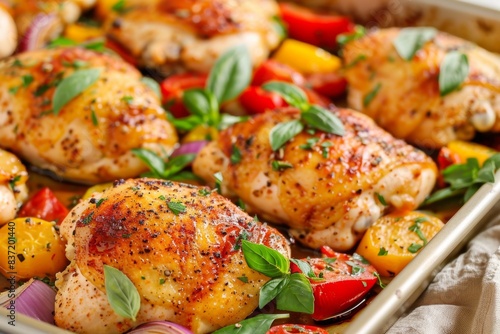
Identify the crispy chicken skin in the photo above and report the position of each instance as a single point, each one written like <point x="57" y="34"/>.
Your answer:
<point x="90" y="139"/>
<point x="408" y="103"/>
<point x="13" y="189"/>
<point x="330" y="194"/>
<point x="185" y="265"/>
<point x="179" y="35"/>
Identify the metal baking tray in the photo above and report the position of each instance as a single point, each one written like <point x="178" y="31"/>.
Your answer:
<point x="475" y="20"/>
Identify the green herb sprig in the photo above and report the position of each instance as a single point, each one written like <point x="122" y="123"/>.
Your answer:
<point x="173" y="169"/>
<point x="293" y="292"/>
<point x="229" y="76"/>
<point x="410" y="40"/>
<point x="259" y="324"/>
<point x="314" y="116"/>
<point x="466" y="179"/>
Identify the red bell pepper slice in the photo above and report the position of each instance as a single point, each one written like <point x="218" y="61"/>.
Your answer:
<point x="342" y="282"/>
<point x="314" y="28"/>
<point x="44" y="205"/>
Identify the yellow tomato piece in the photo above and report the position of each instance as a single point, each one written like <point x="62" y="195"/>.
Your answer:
<point x="31" y="247"/>
<point x="97" y="188"/>
<point x="81" y="33"/>
<point x="306" y="58"/>
<point x="393" y="240"/>
<point x="201" y="132"/>
<point x="471" y="150"/>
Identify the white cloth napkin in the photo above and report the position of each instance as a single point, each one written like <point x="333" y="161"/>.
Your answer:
<point x="465" y="296"/>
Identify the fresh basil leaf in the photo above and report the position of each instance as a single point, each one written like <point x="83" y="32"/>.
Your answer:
<point x="297" y="295"/>
<point x="154" y="162"/>
<point x="283" y="132"/>
<point x="410" y="40"/>
<point x="343" y="39"/>
<point x="292" y="94"/>
<point x="271" y="289"/>
<point x="442" y="194"/>
<point x="259" y="324"/>
<point x="265" y="260"/>
<point x="186" y="123"/>
<point x="280" y="27"/>
<point x="227" y="120"/>
<point x="176" y="164"/>
<point x="304" y="267"/>
<point x="72" y="86"/>
<point x="495" y="159"/>
<point x="486" y="173"/>
<point x="461" y="175"/>
<point x="61" y="42"/>
<point x="231" y="74"/>
<point x="368" y="98"/>
<point x="202" y="103"/>
<point x="151" y="83"/>
<point x="319" y="118"/>
<point x="123" y="296"/>
<point x="453" y="71"/>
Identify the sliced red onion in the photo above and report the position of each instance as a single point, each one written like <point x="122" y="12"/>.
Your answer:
<point x="159" y="327"/>
<point x="192" y="147"/>
<point x="34" y="299"/>
<point x="43" y="28"/>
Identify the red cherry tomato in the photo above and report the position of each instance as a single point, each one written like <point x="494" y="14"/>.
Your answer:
<point x="174" y="86"/>
<point x="313" y="28"/>
<point x="344" y="281"/>
<point x="293" y="329"/>
<point x="273" y="70"/>
<point x="44" y="205"/>
<point x="257" y="100"/>
<point x="331" y="85"/>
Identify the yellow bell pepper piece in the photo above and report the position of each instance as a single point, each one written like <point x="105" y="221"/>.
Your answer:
<point x="97" y="188"/>
<point x="471" y="150"/>
<point x="81" y="33"/>
<point x="201" y="132"/>
<point x="306" y="58"/>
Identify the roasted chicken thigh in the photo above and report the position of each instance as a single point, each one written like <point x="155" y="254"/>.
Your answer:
<point x="13" y="189"/>
<point x="329" y="189"/>
<point x="89" y="139"/>
<point x="178" y="244"/>
<point x="175" y="35"/>
<point x="403" y="96"/>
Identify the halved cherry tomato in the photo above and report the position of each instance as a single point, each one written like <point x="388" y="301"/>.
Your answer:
<point x="331" y="85"/>
<point x="174" y="86"/>
<point x="121" y="51"/>
<point x="342" y="282"/>
<point x="296" y="328"/>
<point x="273" y="70"/>
<point x="44" y="205"/>
<point x="257" y="100"/>
<point x="314" y="28"/>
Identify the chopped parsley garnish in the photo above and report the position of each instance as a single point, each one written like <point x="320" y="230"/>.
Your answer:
<point x="280" y="165"/>
<point x="382" y="251"/>
<point x="414" y="247"/>
<point x="176" y="207"/>
<point x="235" y="155"/>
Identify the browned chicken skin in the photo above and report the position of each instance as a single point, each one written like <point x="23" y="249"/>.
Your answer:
<point x="90" y="139"/>
<point x="408" y="103"/>
<point x="176" y="35"/>
<point x="329" y="195"/>
<point x="185" y="265"/>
